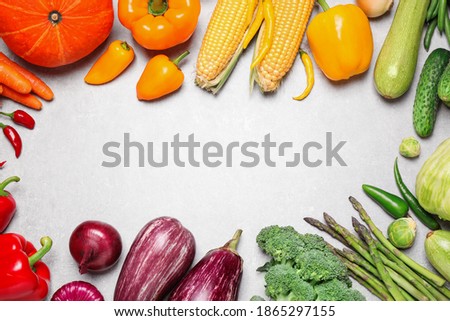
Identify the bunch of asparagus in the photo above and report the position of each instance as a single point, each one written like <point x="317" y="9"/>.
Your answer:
<point x="376" y="264"/>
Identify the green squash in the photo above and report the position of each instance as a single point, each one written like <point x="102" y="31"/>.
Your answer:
<point x="433" y="182"/>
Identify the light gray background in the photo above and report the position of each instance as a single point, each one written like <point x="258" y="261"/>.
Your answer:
<point x="64" y="184"/>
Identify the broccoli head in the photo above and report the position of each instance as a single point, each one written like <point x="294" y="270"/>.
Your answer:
<point x="283" y="244"/>
<point x="318" y="266"/>
<point x="283" y="284"/>
<point x="335" y="290"/>
<point x="314" y="242"/>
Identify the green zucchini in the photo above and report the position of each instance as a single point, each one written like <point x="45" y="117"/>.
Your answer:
<point x="427" y="101"/>
<point x="444" y="87"/>
<point x="396" y="63"/>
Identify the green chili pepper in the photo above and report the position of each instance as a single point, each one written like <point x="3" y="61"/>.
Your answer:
<point x="441" y="14"/>
<point x="429" y="34"/>
<point x="390" y="203"/>
<point x="426" y="218"/>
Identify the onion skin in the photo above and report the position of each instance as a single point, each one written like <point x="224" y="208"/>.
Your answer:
<point x="77" y="291"/>
<point x="375" y="8"/>
<point x="96" y="246"/>
<point x="216" y="277"/>
<point x="160" y="255"/>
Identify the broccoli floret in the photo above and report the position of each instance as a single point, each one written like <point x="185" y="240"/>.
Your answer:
<point x="283" y="284"/>
<point x="335" y="290"/>
<point x="314" y="242"/>
<point x="257" y="298"/>
<point x="301" y="262"/>
<point x="319" y="266"/>
<point x="283" y="244"/>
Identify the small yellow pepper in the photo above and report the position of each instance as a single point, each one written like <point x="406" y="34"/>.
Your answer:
<point x="111" y="63"/>
<point x="160" y="77"/>
<point x="341" y="41"/>
<point x="307" y="63"/>
<point x="267" y="39"/>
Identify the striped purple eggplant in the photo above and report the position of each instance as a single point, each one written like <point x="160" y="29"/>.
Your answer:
<point x="216" y="277"/>
<point x="160" y="255"/>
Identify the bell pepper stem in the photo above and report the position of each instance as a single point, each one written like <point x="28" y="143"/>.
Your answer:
<point x="46" y="243"/>
<point x="157" y="7"/>
<point x="125" y="46"/>
<point x="323" y="4"/>
<point x="177" y="60"/>
<point x="5" y="183"/>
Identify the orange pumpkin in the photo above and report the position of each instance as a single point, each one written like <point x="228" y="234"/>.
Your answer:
<point x="52" y="33"/>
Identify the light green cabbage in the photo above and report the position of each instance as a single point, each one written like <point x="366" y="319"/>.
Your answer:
<point x="433" y="182"/>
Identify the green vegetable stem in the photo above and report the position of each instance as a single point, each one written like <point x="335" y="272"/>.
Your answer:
<point x="426" y="218"/>
<point x="390" y="203"/>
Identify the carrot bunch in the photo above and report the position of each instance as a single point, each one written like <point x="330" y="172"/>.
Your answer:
<point x="20" y="84"/>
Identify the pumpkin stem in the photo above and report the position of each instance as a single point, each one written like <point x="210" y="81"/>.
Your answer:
<point x="55" y="17"/>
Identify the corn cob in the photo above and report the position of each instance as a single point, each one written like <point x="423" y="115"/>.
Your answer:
<point x="291" y="18"/>
<point x="222" y="43"/>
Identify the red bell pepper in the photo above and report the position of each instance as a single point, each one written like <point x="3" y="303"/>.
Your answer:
<point x="23" y="276"/>
<point x="7" y="203"/>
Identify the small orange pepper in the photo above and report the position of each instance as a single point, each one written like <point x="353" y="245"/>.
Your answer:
<point x="160" y="77"/>
<point x="159" y="24"/>
<point x="111" y="63"/>
<point x="341" y="41"/>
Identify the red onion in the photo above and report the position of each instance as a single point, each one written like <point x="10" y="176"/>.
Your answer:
<point x="77" y="291"/>
<point x="96" y="246"/>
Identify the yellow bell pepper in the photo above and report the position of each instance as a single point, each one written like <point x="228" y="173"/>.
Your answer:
<point x="341" y="41"/>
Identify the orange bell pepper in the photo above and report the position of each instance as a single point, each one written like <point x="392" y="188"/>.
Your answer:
<point x="160" y="77"/>
<point x="341" y="41"/>
<point x="111" y="63"/>
<point x="159" y="24"/>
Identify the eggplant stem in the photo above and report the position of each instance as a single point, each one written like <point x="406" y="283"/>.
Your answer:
<point x="232" y="244"/>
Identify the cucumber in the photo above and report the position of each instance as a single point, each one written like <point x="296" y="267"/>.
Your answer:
<point x="444" y="87"/>
<point x="396" y="63"/>
<point x="427" y="101"/>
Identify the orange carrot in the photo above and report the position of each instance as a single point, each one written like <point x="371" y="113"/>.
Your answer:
<point x="38" y="86"/>
<point x="1" y="89"/>
<point x="28" y="100"/>
<point x="10" y="77"/>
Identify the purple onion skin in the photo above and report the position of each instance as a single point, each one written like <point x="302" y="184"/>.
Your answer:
<point x="77" y="291"/>
<point x="216" y="277"/>
<point x="160" y="255"/>
<point x="96" y="246"/>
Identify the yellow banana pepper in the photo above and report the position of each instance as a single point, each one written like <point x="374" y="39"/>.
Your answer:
<point x="341" y="41"/>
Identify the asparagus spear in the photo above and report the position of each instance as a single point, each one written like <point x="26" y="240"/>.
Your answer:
<point x="357" y="259"/>
<point x="400" y="267"/>
<point x="354" y="242"/>
<point x="404" y="284"/>
<point x="432" y="291"/>
<point x="399" y="279"/>
<point x="370" y="279"/>
<point x="325" y="228"/>
<point x="366" y="285"/>
<point x="385" y="277"/>
<point x="439" y="281"/>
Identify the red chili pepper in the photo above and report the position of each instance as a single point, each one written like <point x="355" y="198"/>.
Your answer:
<point x="7" y="203"/>
<point x="2" y="164"/>
<point x="13" y="137"/>
<point x="21" y="117"/>
<point x="23" y="276"/>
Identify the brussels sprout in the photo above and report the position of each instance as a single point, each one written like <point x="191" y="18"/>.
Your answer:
<point x="409" y="147"/>
<point x="402" y="232"/>
<point x="433" y="182"/>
